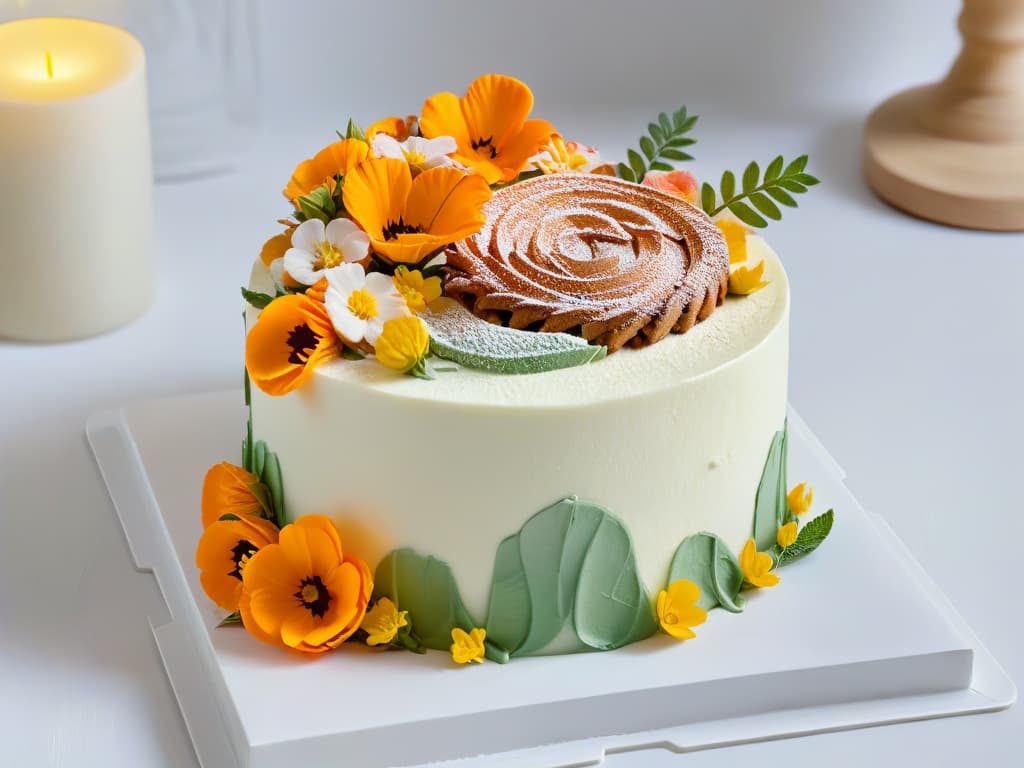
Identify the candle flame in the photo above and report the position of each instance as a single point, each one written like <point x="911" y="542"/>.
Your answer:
<point x="49" y="64"/>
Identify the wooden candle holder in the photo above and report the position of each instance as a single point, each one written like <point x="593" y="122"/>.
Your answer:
<point x="953" y="152"/>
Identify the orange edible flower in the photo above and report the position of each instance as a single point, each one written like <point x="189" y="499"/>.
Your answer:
<point x="227" y="490"/>
<point x="224" y="551"/>
<point x="489" y="125"/>
<point x="679" y="184"/>
<point x="397" y="128"/>
<point x="305" y="592"/>
<point x="275" y="247"/>
<point x="336" y="159"/>
<point x="408" y="218"/>
<point x="292" y="335"/>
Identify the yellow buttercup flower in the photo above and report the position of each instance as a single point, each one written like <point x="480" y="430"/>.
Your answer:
<point x="736" y="238"/>
<point x="800" y="498"/>
<point x="490" y="126"/>
<point x="468" y="646"/>
<point x="678" y="609"/>
<point x="743" y="281"/>
<point x="403" y="343"/>
<point x="757" y="566"/>
<point x="786" y="535"/>
<point x="418" y="291"/>
<point x="383" y="621"/>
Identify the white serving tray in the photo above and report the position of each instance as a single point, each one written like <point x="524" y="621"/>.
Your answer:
<point x="855" y="635"/>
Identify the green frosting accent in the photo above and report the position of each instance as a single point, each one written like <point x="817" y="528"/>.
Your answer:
<point x="570" y="563"/>
<point x="770" y="506"/>
<point x="807" y="540"/>
<point x="423" y="586"/>
<point x="704" y="559"/>
<point x="457" y="334"/>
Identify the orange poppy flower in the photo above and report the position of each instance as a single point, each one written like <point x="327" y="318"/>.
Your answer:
<point x="304" y="592"/>
<point x="396" y="127"/>
<point x="227" y="490"/>
<point x="292" y="336"/>
<point x="224" y="551"/>
<point x="335" y="159"/>
<point x="409" y="218"/>
<point x="489" y="125"/>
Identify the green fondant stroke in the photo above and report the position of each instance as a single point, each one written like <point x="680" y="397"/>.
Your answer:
<point x="423" y="586"/>
<point x="704" y="559"/>
<point x="457" y="334"/>
<point x="770" y="506"/>
<point x="571" y="564"/>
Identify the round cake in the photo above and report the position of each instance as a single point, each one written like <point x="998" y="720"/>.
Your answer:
<point x="508" y="399"/>
<point x="671" y="438"/>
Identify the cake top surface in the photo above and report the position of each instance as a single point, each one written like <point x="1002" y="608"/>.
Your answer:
<point x="736" y="327"/>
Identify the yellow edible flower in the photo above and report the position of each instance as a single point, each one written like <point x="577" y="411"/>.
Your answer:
<point x="417" y="290"/>
<point x="383" y="621"/>
<point x="736" y="238"/>
<point x="678" y="611"/>
<point x="757" y="566"/>
<point x="786" y="535"/>
<point x="468" y="646"/>
<point x="403" y="343"/>
<point x="743" y="281"/>
<point x="800" y="498"/>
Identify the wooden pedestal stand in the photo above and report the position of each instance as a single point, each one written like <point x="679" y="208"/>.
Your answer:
<point x="954" y="152"/>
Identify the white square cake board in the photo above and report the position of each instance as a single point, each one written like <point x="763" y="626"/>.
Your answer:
<point x="855" y="635"/>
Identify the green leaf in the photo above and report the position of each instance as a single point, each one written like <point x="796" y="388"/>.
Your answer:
<point x="774" y="169"/>
<point x="228" y="516"/>
<point x="795" y="167"/>
<point x="728" y="186"/>
<point x="666" y="123"/>
<point x="318" y="204"/>
<point x="746" y="214"/>
<point x="806" y="179"/>
<point x="457" y="334"/>
<point x="808" y="539"/>
<point x="353" y="354"/>
<point x="704" y="559"/>
<point x="636" y="163"/>
<point x="793" y="186"/>
<point x="658" y="165"/>
<point x="707" y="197"/>
<point x="782" y="196"/>
<point x="231" y="620"/>
<point x="259" y="455"/>
<point x="271" y="477"/>
<point x="570" y="567"/>
<point x="751" y="176"/>
<point x="423" y="586"/>
<point x="655" y="132"/>
<point x="353" y="131"/>
<point x="255" y="298"/>
<point x="648" y="148"/>
<point x="770" y="504"/>
<point x="625" y="172"/>
<point x="764" y="204"/>
<point x="675" y="154"/>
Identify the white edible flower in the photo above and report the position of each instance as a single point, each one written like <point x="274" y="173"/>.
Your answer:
<point x="418" y="152"/>
<point x="560" y="156"/>
<point x="317" y="248"/>
<point x="359" y="303"/>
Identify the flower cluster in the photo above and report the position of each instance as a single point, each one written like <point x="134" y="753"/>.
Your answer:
<point x="360" y="259"/>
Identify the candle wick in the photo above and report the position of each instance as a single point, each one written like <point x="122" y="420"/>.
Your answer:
<point x="49" y="64"/>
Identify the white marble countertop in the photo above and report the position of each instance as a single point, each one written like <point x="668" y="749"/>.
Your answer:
<point x="906" y="360"/>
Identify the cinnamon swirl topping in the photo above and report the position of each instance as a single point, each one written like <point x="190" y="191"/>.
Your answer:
<point x="616" y="262"/>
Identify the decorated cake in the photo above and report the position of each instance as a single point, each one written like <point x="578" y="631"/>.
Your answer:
<point x="506" y="398"/>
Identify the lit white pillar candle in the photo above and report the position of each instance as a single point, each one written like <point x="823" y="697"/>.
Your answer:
<point x="76" y="180"/>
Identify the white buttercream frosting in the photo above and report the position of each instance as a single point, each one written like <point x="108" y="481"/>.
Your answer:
<point x="671" y="438"/>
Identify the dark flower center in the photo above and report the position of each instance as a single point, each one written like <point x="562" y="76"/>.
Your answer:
<point x="302" y="339"/>
<point x="314" y="596"/>
<point x="240" y="554"/>
<point x="485" y="145"/>
<point x="396" y="228"/>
